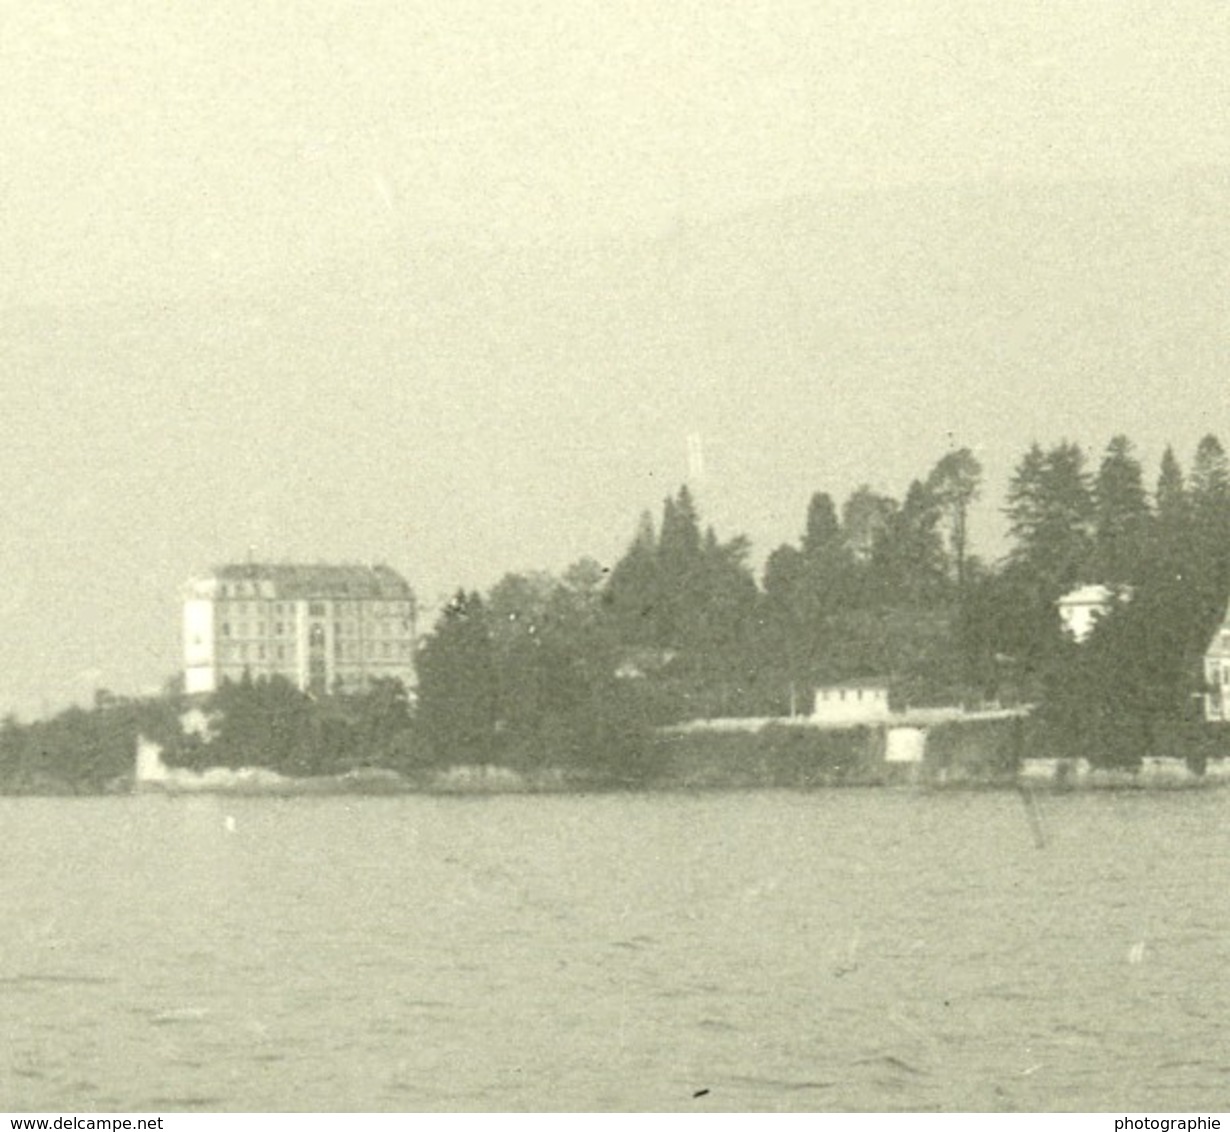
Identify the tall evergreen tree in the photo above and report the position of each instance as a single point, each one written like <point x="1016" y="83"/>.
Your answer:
<point x="1170" y="498"/>
<point x="1170" y="544"/>
<point x="1210" y="478"/>
<point x="691" y="597"/>
<point x="458" y="687"/>
<point x="827" y="579"/>
<point x="1121" y="515"/>
<point x="679" y="570"/>
<point x="679" y="544"/>
<point x="633" y="591"/>
<point x="1050" y="512"/>
<point x="822" y="537"/>
<point x="1209" y="517"/>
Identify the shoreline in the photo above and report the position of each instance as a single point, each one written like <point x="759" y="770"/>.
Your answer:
<point x="1035" y="775"/>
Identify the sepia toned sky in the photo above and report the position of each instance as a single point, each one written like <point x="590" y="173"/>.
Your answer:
<point x="465" y="286"/>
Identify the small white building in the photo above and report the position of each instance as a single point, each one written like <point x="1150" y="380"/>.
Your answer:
<point x="1080" y="609"/>
<point x="851" y="702"/>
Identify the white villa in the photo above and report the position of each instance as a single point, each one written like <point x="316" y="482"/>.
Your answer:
<point x="1080" y="609"/>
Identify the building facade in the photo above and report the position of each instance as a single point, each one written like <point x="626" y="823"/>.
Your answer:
<point x="325" y="628"/>
<point x="851" y="702"/>
<point x="1217" y="675"/>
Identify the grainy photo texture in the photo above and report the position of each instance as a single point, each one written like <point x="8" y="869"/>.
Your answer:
<point x="594" y="557"/>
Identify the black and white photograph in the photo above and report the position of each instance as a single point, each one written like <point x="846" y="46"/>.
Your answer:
<point x="574" y="556"/>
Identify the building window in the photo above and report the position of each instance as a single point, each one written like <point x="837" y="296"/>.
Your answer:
<point x="281" y="653"/>
<point x="226" y="628"/>
<point x="260" y="652"/>
<point x="316" y="609"/>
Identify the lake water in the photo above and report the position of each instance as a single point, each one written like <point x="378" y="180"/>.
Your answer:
<point x="836" y="950"/>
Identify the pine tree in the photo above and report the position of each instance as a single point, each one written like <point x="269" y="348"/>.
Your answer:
<point x="679" y="570"/>
<point x="1209" y="518"/>
<point x="679" y="545"/>
<point x="1170" y="549"/>
<point x="1051" y="512"/>
<point x="1170" y="498"/>
<point x="633" y="591"/>
<point x="1121" y="515"/>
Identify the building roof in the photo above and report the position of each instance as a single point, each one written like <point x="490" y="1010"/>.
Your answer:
<point x="1219" y="646"/>
<point x="1099" y="595"/>
<point x="292" y="581"/>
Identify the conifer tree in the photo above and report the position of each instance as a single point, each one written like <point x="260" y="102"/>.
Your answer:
<point x="1209" y="518"/>
<point x="1051" y="512"/>
<point x="1121" y="515"/>
<point x="1170" y="498"/>
<point x="822" y="536"/>
<point x="633" y="591"/>
<point x="458" y="689"/>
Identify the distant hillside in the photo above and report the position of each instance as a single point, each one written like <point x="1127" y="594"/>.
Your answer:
<point x="461" y="411"/>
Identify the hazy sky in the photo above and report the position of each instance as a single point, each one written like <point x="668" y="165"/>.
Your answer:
<point x="450" y="284"/>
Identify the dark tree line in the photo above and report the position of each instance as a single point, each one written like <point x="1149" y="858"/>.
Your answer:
<point x="528" y="677"/>
<point x="265" y="722"/>
<point x="1133" y="689"/>
<point x="678" y="628"/>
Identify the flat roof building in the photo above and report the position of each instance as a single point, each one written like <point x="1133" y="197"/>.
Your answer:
<point x="851" y="702"/>
<point x="325" y="628"/>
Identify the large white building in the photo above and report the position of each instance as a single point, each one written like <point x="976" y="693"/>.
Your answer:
<point x="325" y="628"/>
